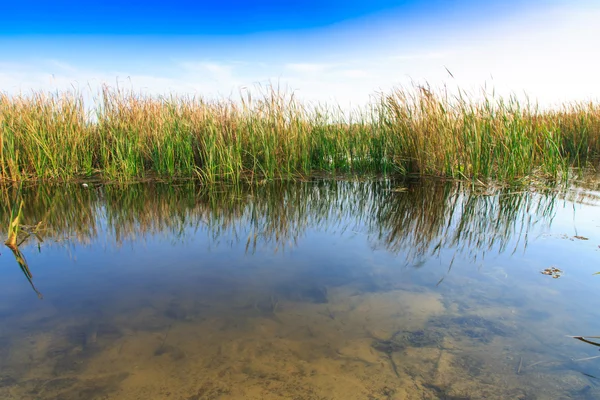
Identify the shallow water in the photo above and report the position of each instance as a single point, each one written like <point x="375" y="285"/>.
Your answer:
<point x="312" y="290"/>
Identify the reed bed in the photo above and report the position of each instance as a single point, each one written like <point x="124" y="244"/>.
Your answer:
<point x="129" y="136"/>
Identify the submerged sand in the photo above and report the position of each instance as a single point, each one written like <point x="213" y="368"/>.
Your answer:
<point x="324" y="343"/>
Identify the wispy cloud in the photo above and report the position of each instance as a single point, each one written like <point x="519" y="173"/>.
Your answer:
<point x="308" y="68"/>
<point x="219" y="71"/>
<point x="421" y="56"/>
<point x="356" y="74"/>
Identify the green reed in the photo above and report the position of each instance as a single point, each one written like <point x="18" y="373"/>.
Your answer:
<point x="129" y="136"/>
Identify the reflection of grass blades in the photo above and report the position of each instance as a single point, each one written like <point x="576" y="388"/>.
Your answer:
<point x="13" y="227"/>
<point x="25" y="268"/>
<point x="421" y="219"/>
<point x="13" y="245"/>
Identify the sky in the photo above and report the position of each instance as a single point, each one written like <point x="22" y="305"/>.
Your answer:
<point x="338" y="52"/>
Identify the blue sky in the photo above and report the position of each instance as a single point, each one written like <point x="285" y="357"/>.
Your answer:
<point x="231" y="18"/>
<point x="338" y="51"/>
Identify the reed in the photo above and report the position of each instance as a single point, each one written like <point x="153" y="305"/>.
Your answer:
<point x="129" y="136"/>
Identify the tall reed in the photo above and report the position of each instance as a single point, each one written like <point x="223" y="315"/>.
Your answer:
<point x="130" y="136"/>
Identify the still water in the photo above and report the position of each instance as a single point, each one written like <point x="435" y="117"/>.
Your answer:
<point x="312" y="290"/>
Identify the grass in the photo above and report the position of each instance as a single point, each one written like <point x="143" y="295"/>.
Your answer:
<point x="129" y="136"/>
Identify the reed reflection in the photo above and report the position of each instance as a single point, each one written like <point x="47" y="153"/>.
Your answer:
<point x="417" y="218"/>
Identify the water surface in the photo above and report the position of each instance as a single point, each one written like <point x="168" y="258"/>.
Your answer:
<point x="313" y="290"/>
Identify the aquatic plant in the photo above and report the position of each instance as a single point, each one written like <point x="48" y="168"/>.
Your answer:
<point x="128" y="136"/>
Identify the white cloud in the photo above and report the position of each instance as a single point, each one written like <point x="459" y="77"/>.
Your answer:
<point x="310" y="68"/>
<point x="420" y="56"/>
<point x="220" y="72"/>
<point x="355" y="73"/>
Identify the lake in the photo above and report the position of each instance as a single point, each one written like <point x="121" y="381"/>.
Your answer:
<point x="322" y="289"/>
